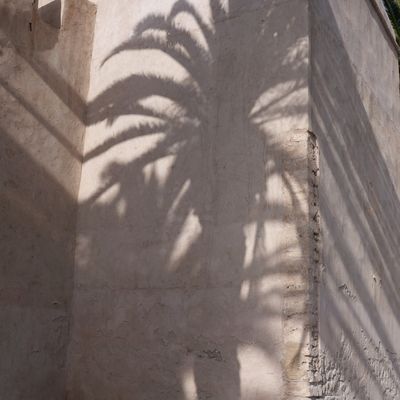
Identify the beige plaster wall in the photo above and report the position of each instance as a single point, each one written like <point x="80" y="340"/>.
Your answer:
<point x="236" y="232"/>
<point x="193" y="237"/>
<point x="43" y="84"/>
<point x="356" y="119"/>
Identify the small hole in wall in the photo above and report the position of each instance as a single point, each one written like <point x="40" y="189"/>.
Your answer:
<point x="49" y="12"/>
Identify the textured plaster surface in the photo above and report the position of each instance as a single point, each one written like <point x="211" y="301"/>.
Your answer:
<point x="43" y="80"/>
<point x="193" y="238"/>
<point x="356" y="119"/>
<point x="237" y="225"/>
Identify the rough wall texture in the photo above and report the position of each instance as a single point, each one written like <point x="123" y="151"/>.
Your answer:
<point x="43" y="75"/>
<point x="237" y="232"/>
<point x="356" y="119"/>
<point x="193" y="236"/>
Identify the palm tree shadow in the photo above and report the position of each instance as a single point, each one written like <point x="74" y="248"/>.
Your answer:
<point x="187" y="216"/>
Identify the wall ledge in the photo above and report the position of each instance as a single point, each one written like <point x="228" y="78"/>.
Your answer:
<point x="385" y="21"/>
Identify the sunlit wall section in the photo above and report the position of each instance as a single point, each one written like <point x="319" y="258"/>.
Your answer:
<point x="193" y="237"/>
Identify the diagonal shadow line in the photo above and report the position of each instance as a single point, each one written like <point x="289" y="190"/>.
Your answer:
<point x="59" y="85"/>
<point x="351" y="172"/>
<point x="371" y="228"/>
<point x="50" y="128"/>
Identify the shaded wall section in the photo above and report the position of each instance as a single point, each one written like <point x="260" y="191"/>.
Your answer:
<point x="44" y="74"/>
<point x="356" y="118"/>
<point x="193" y="236"/>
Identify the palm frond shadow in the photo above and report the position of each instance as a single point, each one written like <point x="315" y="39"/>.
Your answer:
<point x="218" y="148"/>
